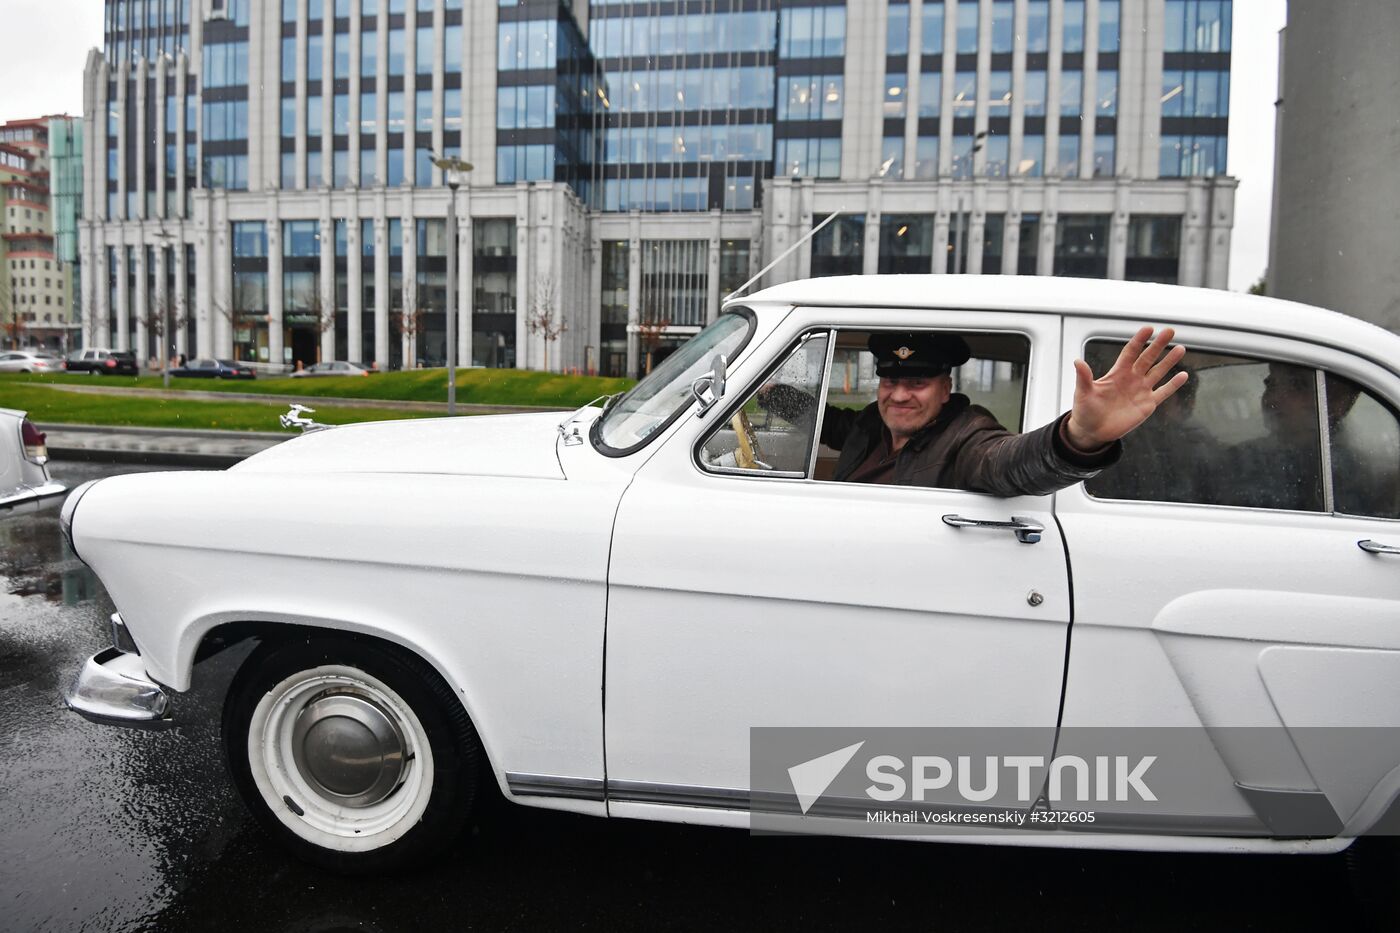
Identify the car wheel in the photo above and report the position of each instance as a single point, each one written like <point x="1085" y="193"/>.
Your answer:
<point x="354" y="755"/>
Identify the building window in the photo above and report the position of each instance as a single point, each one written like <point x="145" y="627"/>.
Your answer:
<point x="1108" y="25"/>
<point x="1032" y="156"/>
<point x="930" y="94"/>
<point x="998" y="154"/>
<point x="993" y="235"/>
<point x="1002" y="31"/>
<point x="1103" y="156"/>
<point x="1185" y="156"/>
<point x="897" y="30"/>
<point x="1197" y="26"/>
<point x="931" y="29"/>
<point x="892" y="157"/>
<point x="926" y="157"/>
<point x="1081" y="246"/>
<point x="1107" y="96"/>
<point x="369" y="54"/>
<point x="1067" y="160"/>
<point x="812" y="32"/>
<point x="895" y="96"/>
<point x="811" y="97"/>
<point x="964" y="94"/>
<point x="839" y="247"/>
<point x="967" y="28"/>
<point x="1074" y="26"/>
<point x="906" y="244"/>
<point x="1038" y="26"/>
<point x="812" y="158"/>
<point x="1195" y="93"/>
<point x="1154" y="248"/>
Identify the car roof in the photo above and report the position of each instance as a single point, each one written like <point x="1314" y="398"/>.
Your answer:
<point x="1147" y="302"/>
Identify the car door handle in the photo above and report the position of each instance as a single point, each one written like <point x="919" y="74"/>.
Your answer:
<point x="1027" y="531"/>
<point x="1375" y="547"/>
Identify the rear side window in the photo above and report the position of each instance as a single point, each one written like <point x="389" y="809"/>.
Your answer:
<point x="1248" y="432"/>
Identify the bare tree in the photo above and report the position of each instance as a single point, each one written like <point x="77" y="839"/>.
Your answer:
<point x="11" y="319"/>
<point x="410" y="321"/>
<point x="651" y="334"/>
<point x="540" y="318"/>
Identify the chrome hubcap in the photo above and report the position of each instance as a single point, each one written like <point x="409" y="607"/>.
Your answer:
<point x="349" y="748"/>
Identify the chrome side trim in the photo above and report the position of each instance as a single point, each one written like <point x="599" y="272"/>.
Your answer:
<point x="114" y="689"/>
<point x="1294" y="814"/>
<point x="550" y="785"/>
<point x="31" y="493"/>
<point x="679" y="795"/>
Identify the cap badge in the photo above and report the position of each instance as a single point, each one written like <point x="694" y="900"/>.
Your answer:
<point x="904" y="353"/>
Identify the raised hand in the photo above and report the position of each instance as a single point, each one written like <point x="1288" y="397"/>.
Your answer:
<point x="1110" y="406"/>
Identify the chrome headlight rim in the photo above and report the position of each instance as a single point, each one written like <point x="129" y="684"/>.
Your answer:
<point x="70" y="506"/>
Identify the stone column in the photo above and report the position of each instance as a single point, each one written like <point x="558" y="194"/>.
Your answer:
<point x="1053" y="71"/>
<point x="121" y="80"/>
<point x="634" y="293"/>
<point x="1222" y="221"/>
<point x="381" y="281"/>
<point x="159" y="136"/>
<point x="355" y="285"/>
<point x="1091" y="88"/>
<point x="329" y="306"/>
<point x="1045" y="255"/>
<point x="143" y="133"/>
<point x="1118" y="232"/>
<point x="1011" y="233"/>
<point x="1194" y="234"/>
<point x="300" y="151"/>
<point x="465" y="253"/>
<point x="141" y="300"/>
<point x="181" y="86"/>
<point x="712" y="294"/>
<point x="276" y="299"/>
<point x="181" y="306"/>
<point x="976" y="226"/>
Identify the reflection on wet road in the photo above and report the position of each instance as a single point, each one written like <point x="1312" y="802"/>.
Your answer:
<point x="111" y="829"/>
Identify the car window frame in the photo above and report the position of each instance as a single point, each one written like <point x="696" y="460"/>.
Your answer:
<point x="595" y="429"/>
<point x="750" y="388"/>
<point x="1265" y="346"/>
<point x="834" y="329"/>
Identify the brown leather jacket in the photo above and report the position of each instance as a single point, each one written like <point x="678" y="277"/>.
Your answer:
<point x="965" y="447"/>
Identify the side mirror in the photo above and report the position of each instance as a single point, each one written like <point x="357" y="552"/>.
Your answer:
<point x="709" y="388"/>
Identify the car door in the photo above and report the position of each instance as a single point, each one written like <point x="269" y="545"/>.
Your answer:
<point x="1227" y="619"/>
<point x="743" y="598"/>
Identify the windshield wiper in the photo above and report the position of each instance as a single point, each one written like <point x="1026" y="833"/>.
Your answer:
<point x="572" y="438"/>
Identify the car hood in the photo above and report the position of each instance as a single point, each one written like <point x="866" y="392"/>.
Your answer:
<point x="483" y="445"/>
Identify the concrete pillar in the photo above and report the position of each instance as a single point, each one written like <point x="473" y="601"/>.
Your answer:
<point x="634" y="293"/>
<point x="381" y="125"/>
<point x="355" y="285"/>
<point x="1091" y="86"/>
<point x="327" y="141"/>
<point x="870" y="249"/>
<point x="327" y="291"/>
<point x="140" y="301"/>
<point x="180" y="300"/>
<point x="354" y="151"/>
<point x="161" y="311"/>
<point x="276" y="298"/>
<point x="1195" y="234"/>
<point x="1011" y="228"/>
<point x="1049" y="220"/>
<point x="205" y="312"/>
<point x="1222" y="221"/>
<point x="524" y="272"/>
<point x="594" y="343"/>
<point x="1118" y="230"/>
<point x="181" y="87"/>
<point x="984" y="78"/>
<point x="223" y="271"/>
<point x="143" y="133"/>
<point x="943" y="224"/>
<point x="712" y="295"/>
<point x="122" y="85"/>
<point x="977" y="225"/>
<point x="299" y="173"/>
<point x="410" y="99"/>
<point x="466" y="240"/>
<point x="159" y="136"/>
<point x="381" y="281"/>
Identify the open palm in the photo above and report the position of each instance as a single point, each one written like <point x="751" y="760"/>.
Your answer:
<point x="1110" y="406"/>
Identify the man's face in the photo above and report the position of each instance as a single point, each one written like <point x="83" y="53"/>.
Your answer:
<point x="1289" y="402"/>
<point x="910" y="402"/>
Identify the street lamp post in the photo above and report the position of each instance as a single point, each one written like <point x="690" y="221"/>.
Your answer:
<point x="958" y="231"/>
<point x="452" y="171"/>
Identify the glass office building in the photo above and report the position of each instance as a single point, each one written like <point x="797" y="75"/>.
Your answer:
<point x="264" y="168"/>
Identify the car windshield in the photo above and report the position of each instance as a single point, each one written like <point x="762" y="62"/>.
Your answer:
<point x="665" y="393"/>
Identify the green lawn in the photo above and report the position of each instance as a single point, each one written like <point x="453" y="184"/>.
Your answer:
<point x="51" y="406"/>
<point x="474" y="386"/>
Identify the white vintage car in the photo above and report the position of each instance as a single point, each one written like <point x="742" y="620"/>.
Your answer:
<point x="596" y="612"/>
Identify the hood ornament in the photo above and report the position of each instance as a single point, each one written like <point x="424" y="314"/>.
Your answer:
<point x="293" y="419"/>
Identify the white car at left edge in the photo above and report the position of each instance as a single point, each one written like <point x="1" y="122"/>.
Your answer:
<point x="24" y="457"/>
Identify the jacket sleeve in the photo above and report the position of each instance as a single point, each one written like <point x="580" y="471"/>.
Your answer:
<point x="796" y="407"/>
<point x="992" y="459"/>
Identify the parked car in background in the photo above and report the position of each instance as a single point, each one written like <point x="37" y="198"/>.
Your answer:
<point x="30" y="361"/>
<point x="438" y="607"/>
<point x="333" y="368"/>
<point x="24" y="457"/>
<point x="99" y="361"/>
<point x="215" y="369"/>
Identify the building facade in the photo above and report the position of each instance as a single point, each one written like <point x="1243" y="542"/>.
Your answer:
<point x="1337" y="161"/>
<point x="37" y="300"/>
<point x="260" y="172"/>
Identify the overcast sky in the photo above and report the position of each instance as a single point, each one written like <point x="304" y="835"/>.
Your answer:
<point x="44" y="42"/>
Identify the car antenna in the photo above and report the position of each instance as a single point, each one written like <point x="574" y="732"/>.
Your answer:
<point x="787" y="252"/>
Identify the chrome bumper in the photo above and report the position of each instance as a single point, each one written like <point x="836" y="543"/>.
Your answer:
<point x="113" y="689"/>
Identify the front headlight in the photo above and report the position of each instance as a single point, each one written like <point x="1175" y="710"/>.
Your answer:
<point x="70" y="505"/>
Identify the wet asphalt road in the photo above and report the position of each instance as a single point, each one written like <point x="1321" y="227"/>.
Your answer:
<point x="112" y="829"/>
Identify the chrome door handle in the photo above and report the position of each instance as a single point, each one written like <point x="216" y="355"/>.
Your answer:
<point x="1375" y="547"/>
<point x="1027" y="531"/>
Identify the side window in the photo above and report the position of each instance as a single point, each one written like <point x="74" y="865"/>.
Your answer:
<point x="1242" y="432"/>
<point x="754" y="438"/>
<point x="1364" y="440"/>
